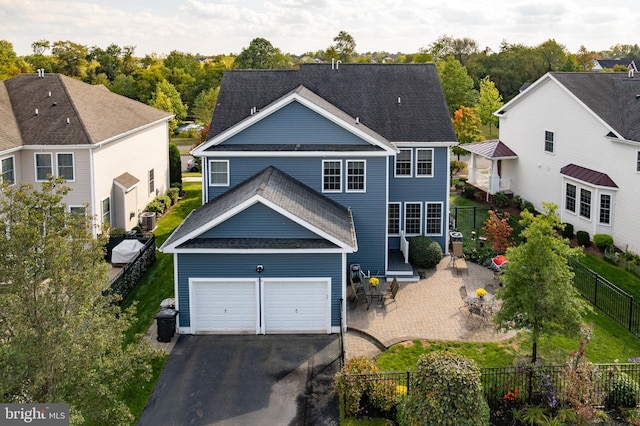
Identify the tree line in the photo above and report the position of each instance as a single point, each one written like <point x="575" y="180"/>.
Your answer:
<point x="187" y="84"/>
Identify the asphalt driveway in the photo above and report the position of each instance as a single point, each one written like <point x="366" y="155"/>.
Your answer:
<point x="247" y="380"/>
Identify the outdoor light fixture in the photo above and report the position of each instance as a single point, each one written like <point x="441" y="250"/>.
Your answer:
<point x="259" y="269"/>
<point x="473" y="235"/>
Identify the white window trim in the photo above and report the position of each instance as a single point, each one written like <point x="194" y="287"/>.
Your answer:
<point x="210" y="170"/>
<point x="334" y="191"/>
<point x="35" y="165"/>
<point x="395" y="166"/>
<point x="610" y="208"/>
<point x="553" y="143"/>
<point x="404" y="222"/>
<point x="73" y="165"/>
<point x="432" y="163"/>
<point x="13" y="160"/>
<point x="579" y="205"/>
<point x="576" y="199"/>
<point x="426" y="204"/>
<point x="346" y="177"/>
<point x="399" y="204"/>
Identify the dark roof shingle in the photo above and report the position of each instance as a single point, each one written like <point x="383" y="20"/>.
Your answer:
<point x="400" y="102"/>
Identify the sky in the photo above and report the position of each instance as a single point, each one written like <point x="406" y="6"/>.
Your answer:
<point x="212" y="27"/>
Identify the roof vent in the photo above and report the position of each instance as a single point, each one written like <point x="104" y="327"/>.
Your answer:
<point x="36" y="111"/>
<point x="357" y="120"/>
<point x="253" y="110"/>
<point x="68" y="122"/>
<point x="40" y="72"/>
<point x="49" y="94"/>
<point x="399" y="100"/>
<point x="335" y="64"/>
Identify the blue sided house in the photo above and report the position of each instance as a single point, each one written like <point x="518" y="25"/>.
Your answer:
<point x="306" y="172"/>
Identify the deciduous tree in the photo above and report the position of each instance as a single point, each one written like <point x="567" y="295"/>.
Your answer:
<point x="498" y="231"/>
<point x="261" y="55"/>
<point x="489" y="102"/>
<point x="466" y="124"/>
<point x="538" y="293"/>
<point x="456" y="84"/>
<point x="167" y="98"/>
<point x="62" y="337"/>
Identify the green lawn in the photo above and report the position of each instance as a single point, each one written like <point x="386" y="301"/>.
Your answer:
<point x="623" y="279"/>
<point x="156" y="285"/>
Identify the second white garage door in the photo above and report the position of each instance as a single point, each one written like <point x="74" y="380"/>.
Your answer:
<point x="295" y="305"/>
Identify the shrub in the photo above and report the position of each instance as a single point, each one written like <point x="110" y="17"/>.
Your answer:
<point x="517" y="201"/>
<point x="500" y="199"/>
<point x="623" y="391"/>
<point x="527" y="205"/>
<point x="446" y="391"/>
<point x="155" y="206"/>
<point x="116" y="231"/>
<point x="603" y="241"/>
<point x="567" y="231"/>
<point x="583" y="238"/>
<point x="424" y="252"/>
<point x="173" y="194"/>
<point x="166" y="200"/>
<point x="177" y="185"/>
<point x="468" y="192"/>
<point x="479" y="196"/>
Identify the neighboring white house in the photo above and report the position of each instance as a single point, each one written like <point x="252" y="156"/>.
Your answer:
<point x="577" y="139"/>
<point x="112" y="151"/>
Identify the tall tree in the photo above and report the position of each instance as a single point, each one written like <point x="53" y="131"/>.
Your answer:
<point x="489" y="102"/>
<point x="584" y="58"/>
<point x="63" y="340"/>
<point x="261" y="55"/>
<point x="460" y="48"/>
<point x="71" y="58"/>
<point x="167" y="98"/>
<point x="10" y="64"/>
<point x="551" y="55"/>
<point x="343" y="48"/>
<point x="538" y="293"/>
<point x="456" y="84"/>
<point x="466" y="124"/>
<point x="205" y="104"/>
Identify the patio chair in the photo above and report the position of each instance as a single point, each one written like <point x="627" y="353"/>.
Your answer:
<point x="358" y="293"/>
<point x="391" y="292"/>
<point x="357" y="276"/>
<point x="457" y="257"/>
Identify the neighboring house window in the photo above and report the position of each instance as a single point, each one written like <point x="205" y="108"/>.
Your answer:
<point x="403" y="162"/>
<point x="424" y="162"/>
<point x="7" y="170"/>
<point x="638" y="161"/>
<point x="152" y="181"/>
<point x="585" y="203"/>
<point x="605" y="209"/>
<point x="65" y="166"/>
<point x="393" y="224"/>
<point x="570" y="200"/>
<point x="219" y="173"/>
<point x="356" y="176"/>
<point x="412" y="218"/>
<point x="548" y="141"/>
<point x="78" y="210"/>
<point x="44" y="166"/>
<point x="331" y="176"/>
<point x="106" y="210"/>
<point x="433" y="221"/>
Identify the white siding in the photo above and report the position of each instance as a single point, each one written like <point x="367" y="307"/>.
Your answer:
<point x="579" y="138"/>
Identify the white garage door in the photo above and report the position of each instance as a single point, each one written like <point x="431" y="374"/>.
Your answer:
<point x="224" y="306"/>
<point x="296" y="305"/>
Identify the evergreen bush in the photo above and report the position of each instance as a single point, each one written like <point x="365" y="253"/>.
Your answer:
<point x="567" y="231"/>
<point x="446" y="390"/>
<point x="583" y="238"/>
<point x="424" y="252"/>
<point x="500" y="199"/>
<point x="173" y="193"/>
<point x="603" y="242"/>
<point x="623" y="392"/>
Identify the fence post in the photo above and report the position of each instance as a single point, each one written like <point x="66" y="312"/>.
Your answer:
<point x="408" y="380"/>
<point x="474" y="217"/>
<point x="455" y="216"/>
<point x="595" y="292"/>
<point x="631" y="313"/>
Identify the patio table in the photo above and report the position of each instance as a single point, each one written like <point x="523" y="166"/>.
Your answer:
<point x="373" y="292"/>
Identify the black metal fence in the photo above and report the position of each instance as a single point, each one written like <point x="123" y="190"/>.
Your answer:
<point x="619" y="305"/>
<point x="132" y="272"/>
<point x="551" y="385"/>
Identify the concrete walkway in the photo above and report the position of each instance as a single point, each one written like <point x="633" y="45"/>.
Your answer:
<point x="428" y="309"/>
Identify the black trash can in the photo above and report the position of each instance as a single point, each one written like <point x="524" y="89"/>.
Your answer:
<point x="166" y="320"/>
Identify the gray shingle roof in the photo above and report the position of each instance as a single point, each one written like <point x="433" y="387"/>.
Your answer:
<point x="258" y="243"/>
<point x="284" y="191"/>
<point x="95" y="114"/>
<point x="614" y="97"/>
<point x="9" y="132"/>
<point x="368" y="91"/>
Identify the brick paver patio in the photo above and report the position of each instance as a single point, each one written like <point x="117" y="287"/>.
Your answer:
<point x="428" y="309"/>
